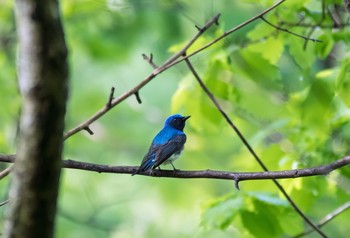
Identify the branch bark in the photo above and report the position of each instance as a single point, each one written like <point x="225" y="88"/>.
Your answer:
<point x="172" y="61"/>
<point x="136" y="89"/>
<point x="209" y="174"/>
<point x="250" y="149"/>
<point x="327" y="219"/>
<point x="43" y="73"/>
<point x="242" y="138"/>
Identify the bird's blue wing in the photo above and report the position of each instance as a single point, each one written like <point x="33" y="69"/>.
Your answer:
<point x="171" y="147"/>
<point x="149" y="160"/>
<point x="158" y="153"/>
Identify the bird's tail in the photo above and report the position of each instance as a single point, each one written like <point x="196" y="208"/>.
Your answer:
<point x="136" y="172"/>
<point x="145" y="166"/>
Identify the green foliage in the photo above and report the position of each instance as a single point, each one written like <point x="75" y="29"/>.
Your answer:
<point x="301" y="117"/>
<point x="9" y="97"/>
<point x="220" y="212"/>
<point x="289" y="97"/>
<point x="263" y="215"/>
<point x="342" y="82"/>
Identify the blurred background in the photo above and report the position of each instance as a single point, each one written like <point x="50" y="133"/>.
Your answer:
<point x="288" y="96"/>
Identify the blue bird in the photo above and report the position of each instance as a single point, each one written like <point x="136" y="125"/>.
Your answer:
<point x="167" y="145"/>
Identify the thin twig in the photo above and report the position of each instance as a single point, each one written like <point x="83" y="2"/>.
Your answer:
<point x="320" y="23"/>
<point x="310" y="25"/>
<point x="149" y="59"/>
<point x="309" y="34"/>
<point x="323" y="6"/>
<point x="4" y="202"/>
<point x="347" y="5"/>
<point x="88" y="129"/>
<point x="138" y="99"/>
<point x="5" y="172"/>
<point x="335" y="17"/>
<point x="245" y="142"/>
<point x="186" y="58"/>
<point x="225" y="34"/>
<point x="210" y="174"/>
<point x="168" y="64"/>
<point x="327" y="218"/>
<point x="288" y="31"/>
<point x="85" y="125"/>
<point x="334" y="214"/>
<point x="111" y="97"/>
<point x="212" y="21"/>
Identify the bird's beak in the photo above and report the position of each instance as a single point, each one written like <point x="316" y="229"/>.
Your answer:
<point x="185" y="118"/>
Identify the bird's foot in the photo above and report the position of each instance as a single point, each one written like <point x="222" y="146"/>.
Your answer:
<point x="151" y="172"/>
<point x="175" y="169"/>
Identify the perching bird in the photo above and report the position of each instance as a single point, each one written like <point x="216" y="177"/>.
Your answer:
<point x="167" y="145"/>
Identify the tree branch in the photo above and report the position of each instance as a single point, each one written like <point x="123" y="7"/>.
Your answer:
<point x="327" y="218"/>
<point x="138" y="98"/>
<point x="173" y="60"/>
<point x="217" y="105"/>
<point x="225" y="34"/>
<point x="136" y="89"/>
<point x="5" y="172"/>
<point x="288" y="31"/>
<point x="250" y="149"/>
<point x="210" y="174"/>
<point x="4" y="203"/>
<point x="110" y="98"/>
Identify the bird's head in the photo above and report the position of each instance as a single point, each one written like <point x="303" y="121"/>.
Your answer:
<point x="176" y="121"/>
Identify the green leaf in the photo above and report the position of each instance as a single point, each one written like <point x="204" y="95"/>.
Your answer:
<point x="199" y="43"/>
<point x="316" y="108"/>
<point x="296" y="4"/>
<point x="267" y="214"/>
<point x="260" y="224"/>
<point x="260" y="31"/>
<point x="305" y="58"/>
<point x="190" y="99"/>
<point x="267" y="198"/>
<point x="272" y="156"/>
<point x="325" y="47"/>
<point x="343" y="82"/>
<point x="219" y="213"/>
<point x="271" y="49"/>
<point x="218" y="78"/>
<point x="254" y="67"/>
<point x="291" y="223"/>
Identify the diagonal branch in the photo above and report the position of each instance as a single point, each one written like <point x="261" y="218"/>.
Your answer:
<point x="4" y="203"/>
<point x="225" y="34"/>
<point x="327" y="218"/>
<point x="5" y="172"/>
<point x="173" y="60"/>
<point x="134" y="91"/>
<point x="288" y="31"/>
<point x="214" y="20"/>
<point x="245" y="142"/>
<point x="209" y="174"/>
